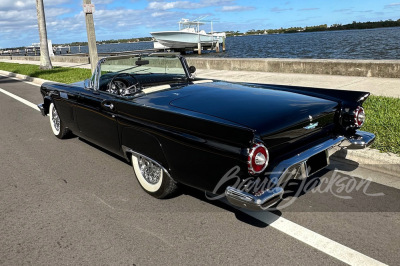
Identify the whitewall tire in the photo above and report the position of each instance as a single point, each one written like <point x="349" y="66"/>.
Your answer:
<point x="57" y="126"/>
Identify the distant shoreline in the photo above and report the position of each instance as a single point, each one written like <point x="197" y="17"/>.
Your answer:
<point x="324" y="27"/>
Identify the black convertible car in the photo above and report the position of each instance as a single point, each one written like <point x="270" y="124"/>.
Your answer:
<point x="239" y="140"/>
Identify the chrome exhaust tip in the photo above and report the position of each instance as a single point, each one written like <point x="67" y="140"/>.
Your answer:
<point x="261" y="201"/>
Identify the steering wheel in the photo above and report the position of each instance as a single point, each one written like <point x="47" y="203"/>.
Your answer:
<point x="123" y="86"/>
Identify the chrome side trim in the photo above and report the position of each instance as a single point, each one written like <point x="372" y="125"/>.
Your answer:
<point x="127" y="150"/>
<point x="246" y="200"/>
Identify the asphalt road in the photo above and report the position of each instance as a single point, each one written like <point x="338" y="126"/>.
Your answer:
<point x="69" y="202"/>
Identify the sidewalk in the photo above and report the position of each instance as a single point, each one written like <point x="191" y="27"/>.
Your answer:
<point x="377" y="86"/>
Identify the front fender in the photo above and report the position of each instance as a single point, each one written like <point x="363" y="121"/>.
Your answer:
<point x="44" y="107"/>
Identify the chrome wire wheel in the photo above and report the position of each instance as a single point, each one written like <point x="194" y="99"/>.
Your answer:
<point x="150" y="171"/>
<point x="149" y="174"/>
<point x="55" y="121"/>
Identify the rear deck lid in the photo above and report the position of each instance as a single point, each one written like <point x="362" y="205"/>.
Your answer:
<point x="267" y="111"/>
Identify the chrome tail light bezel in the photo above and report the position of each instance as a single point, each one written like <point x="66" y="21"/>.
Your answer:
<point x="357" y="121"/>
<point x="252" y="156"/>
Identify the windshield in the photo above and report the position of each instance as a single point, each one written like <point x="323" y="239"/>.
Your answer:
<point x="143" y="64"/>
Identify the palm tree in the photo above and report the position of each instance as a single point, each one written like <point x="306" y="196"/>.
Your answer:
<point x="45" y="62"/>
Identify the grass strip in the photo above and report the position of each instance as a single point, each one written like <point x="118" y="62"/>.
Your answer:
<point x="383" y="119"/>
<point x="383" y="113"/>
<point x="58" y="74"/>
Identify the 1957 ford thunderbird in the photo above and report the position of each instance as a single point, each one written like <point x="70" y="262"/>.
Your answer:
<point x="220" y="137"/>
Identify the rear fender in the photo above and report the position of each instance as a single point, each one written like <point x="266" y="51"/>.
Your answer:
<point x="137" y="141"/>
<point x="346" y="97"/>
<point x="348" y="102"/>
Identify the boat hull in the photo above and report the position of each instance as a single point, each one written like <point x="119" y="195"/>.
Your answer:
<point x="181" y="40"/>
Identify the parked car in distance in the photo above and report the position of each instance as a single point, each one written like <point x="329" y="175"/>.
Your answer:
<point x="239" y="140"/>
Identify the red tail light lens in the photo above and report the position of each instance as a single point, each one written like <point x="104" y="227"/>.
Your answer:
<point x="359" y="116"/>
<point x="258" y="159"/>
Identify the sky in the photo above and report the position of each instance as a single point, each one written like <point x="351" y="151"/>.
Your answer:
<point x="119" y="19"/>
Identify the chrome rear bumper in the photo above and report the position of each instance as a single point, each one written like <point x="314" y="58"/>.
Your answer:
<point x="297" y="164"/>
<point x="361" y="140"/>
<point x="260" y="202"/>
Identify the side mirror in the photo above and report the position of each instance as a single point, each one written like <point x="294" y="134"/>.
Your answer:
<point x="88" y="84"/>
<point x="192" y="69"/>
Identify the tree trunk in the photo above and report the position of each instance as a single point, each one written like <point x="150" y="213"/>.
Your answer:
<point x="91" y="38"/>
<point x="45" y="62"/>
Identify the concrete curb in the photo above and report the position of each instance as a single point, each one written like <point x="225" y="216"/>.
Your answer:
<point x="341" y="67"/>
<point x="372" y="159"/>
<point x="37" y="81"/>
<point x="388" y="163"/>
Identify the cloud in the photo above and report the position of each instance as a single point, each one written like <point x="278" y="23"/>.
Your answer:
<point x="305" y="19"/>
<point x="160" y="14"/>
<point x="236" y="8"/>
<point x="18" y="23"/>
<point x="392" y="5"/>
<point x="309" y="9"/>
<point x="163" y="5"/>
<point x="174" y="5"/>
<point x="8" y="5"/>
<point x="365" y="11"/>
<point x="343" y="10"/>
<point x="280" y="10"/>
<point x="102" y="2"/>
<point x="23" y="20"/>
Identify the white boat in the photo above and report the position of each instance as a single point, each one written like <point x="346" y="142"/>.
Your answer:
<point x="189" y="35"/>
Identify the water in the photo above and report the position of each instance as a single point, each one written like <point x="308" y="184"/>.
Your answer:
<point x="383" y="43"/>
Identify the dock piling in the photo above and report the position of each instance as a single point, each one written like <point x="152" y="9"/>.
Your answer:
<point x="199" y="48"/>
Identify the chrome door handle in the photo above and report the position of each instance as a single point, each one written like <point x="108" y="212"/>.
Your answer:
<point x="109" y="106"/>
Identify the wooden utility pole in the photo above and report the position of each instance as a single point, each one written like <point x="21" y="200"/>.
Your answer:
<point x="45" y="62"/>
<point x="88" y="9"/>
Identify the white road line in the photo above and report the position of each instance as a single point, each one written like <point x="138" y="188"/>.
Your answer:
<point x="20" y="99"/>
<point x="315" y="240"/>
<point x="321" y="243"/>
<point x="28" y="82"/>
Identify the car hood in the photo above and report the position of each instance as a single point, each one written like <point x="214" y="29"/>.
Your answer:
<point x="267" y="111"/>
